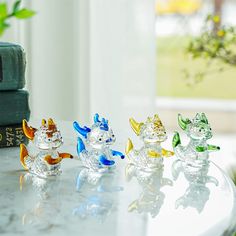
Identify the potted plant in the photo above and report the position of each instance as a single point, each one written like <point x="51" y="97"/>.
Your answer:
<point x="216" y="44"/>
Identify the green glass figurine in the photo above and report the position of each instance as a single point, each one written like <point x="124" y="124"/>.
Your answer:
<point x="199" y="131"/>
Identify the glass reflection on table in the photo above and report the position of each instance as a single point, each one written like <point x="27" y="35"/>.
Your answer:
<point x="197" y="193"/>
<point x="47" y="202"/>
<point x="96" y="194"/>
<point x="151" y="198"/>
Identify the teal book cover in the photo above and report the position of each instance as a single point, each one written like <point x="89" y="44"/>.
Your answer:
<point x="12" y="66"/>
<point x="14" y="107"/>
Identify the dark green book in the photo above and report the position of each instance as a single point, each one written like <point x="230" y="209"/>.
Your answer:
<point x="12" y="66"/>
<point x="12" y="136"/>
<point x="14" y="107"/>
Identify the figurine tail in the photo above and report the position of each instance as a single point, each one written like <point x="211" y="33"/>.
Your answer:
<point x="23" y="156"/>
<point x="129" y="146"/>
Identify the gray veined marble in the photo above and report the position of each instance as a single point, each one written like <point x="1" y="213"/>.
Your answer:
<point x="175" y="201"/>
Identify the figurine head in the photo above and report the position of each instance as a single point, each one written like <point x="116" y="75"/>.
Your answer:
<point x="151" y="131"/>
<point x="46" y="137"/>
<point x="198" y="128"/>
<point x="99" y="135"/>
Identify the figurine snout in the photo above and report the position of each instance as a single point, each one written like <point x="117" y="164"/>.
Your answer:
<point x="109" y="140"/>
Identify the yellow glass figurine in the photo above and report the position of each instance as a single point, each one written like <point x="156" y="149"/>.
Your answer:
<point x="46" y="159"/>
<point x="152" y="133"/>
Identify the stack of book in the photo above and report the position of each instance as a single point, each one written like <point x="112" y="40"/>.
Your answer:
<point x="14" y="104"/>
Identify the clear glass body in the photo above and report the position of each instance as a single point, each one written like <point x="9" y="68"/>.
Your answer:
<point x="37" y="165"/>
<point x="142" y="160"/>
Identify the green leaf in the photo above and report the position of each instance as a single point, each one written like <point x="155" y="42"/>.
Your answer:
<point x="24" y="13"/>
<point x="16" y="6"/>
<point x="3" y="26"/>
<point x="3" y="10"/>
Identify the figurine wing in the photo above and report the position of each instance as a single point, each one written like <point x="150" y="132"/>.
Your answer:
<point x="83" y="131"/>
<point x="28" y="130"/>
<point x="176" y="140"/>
<point x="80" y="145"/>
<point x="129" y="146"/>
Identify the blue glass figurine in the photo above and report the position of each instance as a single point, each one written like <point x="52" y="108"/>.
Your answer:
<point x="96" y="153"/>
<point x="199" y="131"/>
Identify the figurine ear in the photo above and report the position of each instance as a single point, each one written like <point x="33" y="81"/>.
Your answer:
<point x="198" y="116"/>
<point x="28" y="131"/>
<point x="104" y="121"/>
<point x="96" y="118"/>
<point x="83" y="131"/>
<point x="204" y="118"/>
<point x="44" y="122"/>
<point x="183" y="123"/>
<point x="156" y="117"/>
<point x="135" y="126"/>
<point x="51" y="122"/>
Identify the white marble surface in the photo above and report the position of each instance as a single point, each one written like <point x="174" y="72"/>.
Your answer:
<point x="32" y="206"/>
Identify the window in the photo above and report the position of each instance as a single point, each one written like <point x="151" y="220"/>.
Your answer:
<point x="178" y="75"/>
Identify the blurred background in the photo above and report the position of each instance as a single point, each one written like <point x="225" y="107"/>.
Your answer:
<point x="133" y="58"/>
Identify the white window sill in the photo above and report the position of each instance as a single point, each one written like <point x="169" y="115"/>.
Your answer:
<point x="204" y="104"/>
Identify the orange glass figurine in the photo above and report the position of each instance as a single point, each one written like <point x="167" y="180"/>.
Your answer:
<point x="46" y="160"/>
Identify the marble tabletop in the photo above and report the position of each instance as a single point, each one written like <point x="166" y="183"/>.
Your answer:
<point x="171" y="201"/>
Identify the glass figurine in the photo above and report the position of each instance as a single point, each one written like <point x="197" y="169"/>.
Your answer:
<point x="197" y="193"/>
<point x="199" y="131"/>
<point x="151" y="197"/>
<point x="95" y="153"/>
<point x="152" y="133"/>
<point x="45" y="160"/>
